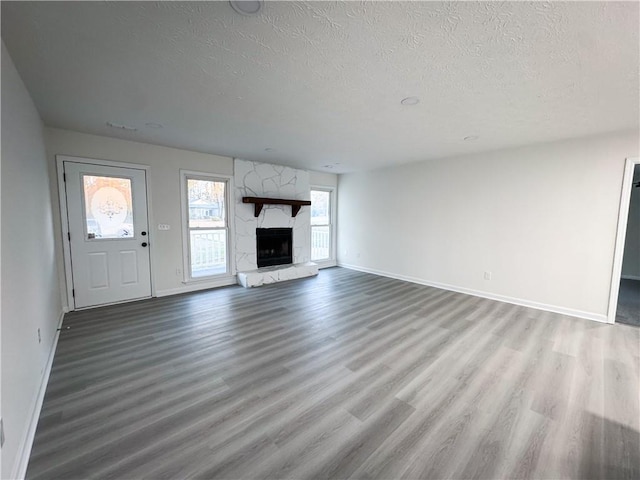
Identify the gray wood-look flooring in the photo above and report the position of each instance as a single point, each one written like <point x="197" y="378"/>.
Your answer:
<point x="629" y="302"/>
<point x="346" y="375"/>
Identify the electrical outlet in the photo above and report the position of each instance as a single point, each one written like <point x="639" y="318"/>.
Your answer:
<point x="487" y="275"/>
<point x="39" y="337"/>
<point x="178" y="272"/>
<point x="164" y="226"/>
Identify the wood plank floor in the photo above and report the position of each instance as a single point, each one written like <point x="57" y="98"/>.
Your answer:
<point x="346" y="375"/>
<point x="629" y="302"/>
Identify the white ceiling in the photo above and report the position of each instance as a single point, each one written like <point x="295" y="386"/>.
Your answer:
<point x="321" y="82"/>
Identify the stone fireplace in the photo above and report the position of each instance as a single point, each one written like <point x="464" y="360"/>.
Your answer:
<point x="253" y="179"/>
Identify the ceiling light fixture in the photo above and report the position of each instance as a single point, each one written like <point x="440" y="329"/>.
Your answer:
<point x="153" y="125"/>
<point x="121" y="127"/>
<point x="410" y="101"/>
<point x="471" y="138"/>
<point x="246" y="7"/>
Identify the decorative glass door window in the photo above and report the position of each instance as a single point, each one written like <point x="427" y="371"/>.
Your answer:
<point x="107" y="207"/>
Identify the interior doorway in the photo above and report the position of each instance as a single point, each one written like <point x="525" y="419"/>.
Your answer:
<point x="624" y="303"/>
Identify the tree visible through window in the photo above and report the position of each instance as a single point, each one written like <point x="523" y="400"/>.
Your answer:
<point x="206" y="226"/>
<point x="108" y="207"/>
<point x="320" y="225"/>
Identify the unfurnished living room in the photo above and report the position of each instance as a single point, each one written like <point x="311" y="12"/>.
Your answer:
<point x="320" y="240"/>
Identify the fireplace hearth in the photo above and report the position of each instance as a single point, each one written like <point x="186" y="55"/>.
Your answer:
<point x="274" y="246"/>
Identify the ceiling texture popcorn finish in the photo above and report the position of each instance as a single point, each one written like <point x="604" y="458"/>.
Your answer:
<point x="322" y="82"/>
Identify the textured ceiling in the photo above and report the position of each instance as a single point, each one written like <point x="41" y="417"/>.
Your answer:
<point x="321" y="82"/>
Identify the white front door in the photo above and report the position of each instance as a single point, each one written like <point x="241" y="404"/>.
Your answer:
<point x="108" y="230"/>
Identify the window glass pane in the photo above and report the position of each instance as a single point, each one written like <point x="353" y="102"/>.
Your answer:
<point x="320" y="207"/>
<point x="206" y="203"/>
<point x="320" y="242"/>
<point x="208" y="252"/>
<point x="108" y="207"/>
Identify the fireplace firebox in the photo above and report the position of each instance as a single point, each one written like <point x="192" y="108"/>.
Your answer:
<point x="274" y="246"/>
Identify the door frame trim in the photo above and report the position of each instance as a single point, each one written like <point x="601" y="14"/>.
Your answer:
<point x="64" y="217"/>
<point x="621" y="233"/>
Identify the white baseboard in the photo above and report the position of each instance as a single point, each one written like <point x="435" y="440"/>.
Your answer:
<point x="491" y="296"/>
<point x="326" y="263"/>
<point x="630" y="277"/>
<point x="196" y="286"/>
<point x="24" y="452"/>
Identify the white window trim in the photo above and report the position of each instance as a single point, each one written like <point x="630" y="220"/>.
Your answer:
<point x="184" y="207"/>
<point x="333" y="200"/>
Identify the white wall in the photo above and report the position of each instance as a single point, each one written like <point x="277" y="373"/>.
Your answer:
<point x="541" y="218"/>
<point x="321" y="179"/>
<point x="164" y="189"/>
<point x="30" y="290"/>
<point x="631" y="259"/>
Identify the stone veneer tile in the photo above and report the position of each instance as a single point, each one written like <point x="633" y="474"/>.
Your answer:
<point x="253" y="179"/>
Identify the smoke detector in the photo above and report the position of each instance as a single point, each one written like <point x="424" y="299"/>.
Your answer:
<point x="246" y="7"/>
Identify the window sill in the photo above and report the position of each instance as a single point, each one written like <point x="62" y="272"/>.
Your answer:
<point x="326" y="263"/>
<point x="222" y="278"/>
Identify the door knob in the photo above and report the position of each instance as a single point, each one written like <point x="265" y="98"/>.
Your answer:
<point x="143" y="233"/>
<point x="144" y="244"/>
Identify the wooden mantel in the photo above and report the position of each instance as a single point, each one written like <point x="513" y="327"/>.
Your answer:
<point x="259" y="202"/>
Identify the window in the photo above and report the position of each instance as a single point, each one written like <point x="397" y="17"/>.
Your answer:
<point x="108" y="211"/>
<point x="207" y="229"/>
<point x="321" y="231"/>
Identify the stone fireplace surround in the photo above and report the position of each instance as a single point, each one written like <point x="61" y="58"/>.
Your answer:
<point x="253" y="179"/>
